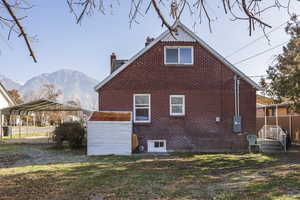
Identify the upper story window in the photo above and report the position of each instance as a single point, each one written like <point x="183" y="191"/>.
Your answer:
<point x="179" y="55"/>
<point x="142" y="108"/>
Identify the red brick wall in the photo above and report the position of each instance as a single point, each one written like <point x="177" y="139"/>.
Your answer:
<point x="209" y="89"/>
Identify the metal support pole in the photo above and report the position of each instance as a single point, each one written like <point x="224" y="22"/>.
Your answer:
<point x="34" y="120"/>
<point x="12" y="127"/>
<point x="1" y="126"/>
<point x="265" y="132"/>
<point x="27" y="125"/>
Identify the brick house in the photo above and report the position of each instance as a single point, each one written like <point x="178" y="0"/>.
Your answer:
<point x="183" y="94"/>
<point x="271" y="110"/>
<point x="267" y="107"/>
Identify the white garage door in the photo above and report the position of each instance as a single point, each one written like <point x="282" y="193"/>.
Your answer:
<point x="105" y="138"/>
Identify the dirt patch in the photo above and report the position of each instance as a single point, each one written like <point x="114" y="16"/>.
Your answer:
<point x="37" y="155"/>
<point x="29" y="186"/>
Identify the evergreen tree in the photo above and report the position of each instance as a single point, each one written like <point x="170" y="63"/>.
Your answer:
<point x="283" y="78"/>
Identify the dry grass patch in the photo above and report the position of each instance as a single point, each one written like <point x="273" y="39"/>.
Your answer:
<point x="69" y="175"/>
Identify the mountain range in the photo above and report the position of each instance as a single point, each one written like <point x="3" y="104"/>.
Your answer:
<point x="74" y="85"/>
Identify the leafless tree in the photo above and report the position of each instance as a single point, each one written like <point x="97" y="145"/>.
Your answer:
<point x="243" y="10"/>
<point x="16" y="96"/>
<point x="49" y="91"/>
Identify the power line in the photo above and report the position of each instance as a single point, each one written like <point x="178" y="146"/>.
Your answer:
<point x="257" y="39"/>
<point x="260" y="53"/>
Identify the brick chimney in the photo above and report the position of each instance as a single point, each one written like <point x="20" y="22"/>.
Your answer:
<point x="113" y="62"/>
<point x="148" y="40"/>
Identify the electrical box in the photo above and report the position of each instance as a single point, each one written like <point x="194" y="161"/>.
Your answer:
<point x="237" y="124"/>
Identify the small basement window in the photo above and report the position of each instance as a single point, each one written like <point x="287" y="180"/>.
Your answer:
<point x="142" y="108"/>
<point x="179" y="55"/>
<point x="177" y="105"/>
<point x="157" y="145"/>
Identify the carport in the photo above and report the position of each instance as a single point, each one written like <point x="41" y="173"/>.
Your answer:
<point x="41" y="105"/>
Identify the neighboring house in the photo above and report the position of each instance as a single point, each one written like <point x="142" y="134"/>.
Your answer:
<point x="183" y="94"/>
<point x="263" y="100"/>
<point x="281" y="109"/>
<point x="5" y="99"/>
<point x="266" y="106"/>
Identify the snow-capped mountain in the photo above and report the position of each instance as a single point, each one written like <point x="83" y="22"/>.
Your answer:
<point x="74" y="85"/>
<point x="9" y="84"/>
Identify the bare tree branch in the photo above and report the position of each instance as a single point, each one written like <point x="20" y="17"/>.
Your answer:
<point x="21" y="29"/>
<point x="250" y="11"/>
<point x="161" y="16"/>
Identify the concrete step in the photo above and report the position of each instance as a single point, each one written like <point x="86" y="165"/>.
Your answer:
<point x="270" y="142"/>
<point x="271" y="148"/>
<point x="272" y="151"/>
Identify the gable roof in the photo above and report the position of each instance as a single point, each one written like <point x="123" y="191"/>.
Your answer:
<point x="165" y="35"/>
<point x="6" y="95"/>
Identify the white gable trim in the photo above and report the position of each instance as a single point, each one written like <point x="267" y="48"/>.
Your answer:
<point x="164" y="35"/>
<point x="4" y="92"/>
<point x="220" y="57"/>
<point x="180" y="36"/>
<point x="131" y="60"/>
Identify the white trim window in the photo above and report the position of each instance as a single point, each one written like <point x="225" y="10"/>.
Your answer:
<point x="142" y="108"/>
<point x="157" y="146"/>
<point x="177" y="105"/>
<point x="175" y="55"/>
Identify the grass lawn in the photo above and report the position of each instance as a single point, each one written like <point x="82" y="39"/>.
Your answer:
<point x="38" y="172"/>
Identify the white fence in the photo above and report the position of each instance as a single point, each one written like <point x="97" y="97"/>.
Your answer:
<point x="24" y="131"/>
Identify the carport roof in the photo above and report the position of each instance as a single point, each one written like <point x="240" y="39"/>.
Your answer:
<point x="40" y="105"/>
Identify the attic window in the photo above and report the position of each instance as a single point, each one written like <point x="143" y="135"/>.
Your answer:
<point x="179" y="55"/>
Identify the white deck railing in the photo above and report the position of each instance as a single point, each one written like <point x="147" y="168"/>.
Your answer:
<point x="273" y="132"/>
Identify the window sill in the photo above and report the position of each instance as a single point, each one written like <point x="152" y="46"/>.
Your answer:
<point x="142" y="123"/>
<point x="177" y="116"/>
<point x="179" y="65"/>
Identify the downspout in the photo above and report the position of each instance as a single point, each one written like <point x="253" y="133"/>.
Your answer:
<point x="277" y="120"/>
<point x="235" y="95"/>
<point x="238" y="97"/>
<point x="237" y="119"/>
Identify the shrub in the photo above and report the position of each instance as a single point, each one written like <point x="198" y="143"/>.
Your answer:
<point x="72" y="132"/>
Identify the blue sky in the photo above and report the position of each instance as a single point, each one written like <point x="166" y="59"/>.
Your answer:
<point x="87" y="47"/>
